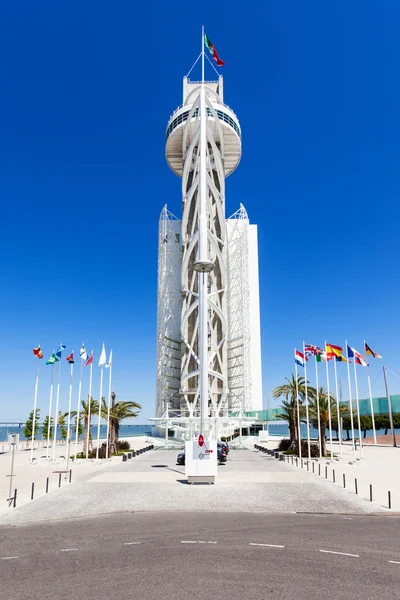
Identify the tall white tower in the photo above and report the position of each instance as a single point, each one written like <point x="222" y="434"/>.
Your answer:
<point x="208" y="334"/>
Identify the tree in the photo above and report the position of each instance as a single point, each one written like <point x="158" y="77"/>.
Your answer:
<point x="325" y="402"/>
<point x="45" y="428"/>
<point x="118" y="412"/>
<point x="61" y="425"/>
<point x="94" y="408"/>
<point x="289" y="405"/>
<point x="27" y="429"/>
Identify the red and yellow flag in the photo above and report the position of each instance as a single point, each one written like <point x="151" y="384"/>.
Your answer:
<point x="37" y="352"/>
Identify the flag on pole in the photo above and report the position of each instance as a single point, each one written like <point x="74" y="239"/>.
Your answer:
<point x="70" y="358"/>
<point x="60" y="349"/>
<point x="82" y="353"/>
<point x="109" y="363"/>
<point x="324" y="357"/>
<point x="299" y="358"/>
<point x="213" y="51"/>
<point x="53" y="359"/>
<point x="358" y="358"/>
<point x="311" y="350"/>
<point x="89" y="360"/>
<point x="103" y="358"/>
<point x="342" y="358"/>
<point x="335" y="350"/>
<point x="37" y="352"/>
<point x="370" y="352"/>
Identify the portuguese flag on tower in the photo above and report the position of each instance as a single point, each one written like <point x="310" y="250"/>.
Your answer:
<point x="213" y="51"/>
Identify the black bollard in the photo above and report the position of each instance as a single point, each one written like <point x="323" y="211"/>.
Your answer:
<point x="15" y="498"/>
<point x="32" y="491"/>
<point x="370" y="492"/>
<point x="70" y="475"/>
<point x="59" y="480"/>
<point x="344" y="480"/>
<point x="389" y="500"/>
<point x="47" y="485"/>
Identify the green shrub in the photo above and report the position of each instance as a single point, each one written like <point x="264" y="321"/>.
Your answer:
<point x="123" y="445"/>
<point x="284" y="444"/>
<point x="314" y="449"/>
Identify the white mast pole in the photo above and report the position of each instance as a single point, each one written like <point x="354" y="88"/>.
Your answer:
<point x="371" y="402"/>
<point x="307" y="413"/>
<point x="297" y="402"/>
<point x="56" y="416"/>
<point x="350" y="403"/>
<point x="99" y="418"/>
<point x="202" y="55"/>
<point x="50" y="407"/>
<point x="78" y="412"/>
<point x="69" y="412"/>
<point x="89" y="404"/>
<point x="358" y="406"/>
<point x="329" y="400"/>
<point x="34" y="406"/>
<point x="318" y="411"/>
<point x="338" y="409"/>
<point x="109" y="404"/>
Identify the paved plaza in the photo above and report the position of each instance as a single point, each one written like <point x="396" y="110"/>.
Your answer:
<point x="249" y="482"/>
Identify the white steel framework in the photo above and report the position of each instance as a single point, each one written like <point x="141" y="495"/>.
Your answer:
<point x="239" y="341"/>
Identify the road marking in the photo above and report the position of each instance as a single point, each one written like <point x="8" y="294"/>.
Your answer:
<point x="395" y="562"/>
<point x="196" y="542"/>
<point x="68" y="549"/>
<point x="13" y="557"/>
<point x="267" y="545"/>
<point x="131" y="543"/>
<point x="342" y="553"/>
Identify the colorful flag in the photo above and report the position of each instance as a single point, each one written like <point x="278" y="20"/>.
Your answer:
<point x="370" y="352"/>
<point x="109" y="363"/>
<point x="60" y="349"/>
<point x="299" y="358"/>
<point x="53" y="359"/>
<point x="324" y="357"/>
<point x="342" y="358"/>
<point x="37" y="352"/>
<point x="358" y="358"/>
<point x="311" y="350"/>
<point x="70" y="358"/>
<point x="82" y="353"/>
<point x="336" y="350"/>
<point x="102" y="359"/>
<point x="213" y="51"/>
<point x="89" y="360"/>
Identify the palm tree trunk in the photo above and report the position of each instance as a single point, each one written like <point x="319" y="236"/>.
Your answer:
<point x="323" y="438"/>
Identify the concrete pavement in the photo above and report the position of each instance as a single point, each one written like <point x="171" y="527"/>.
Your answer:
<point x="177" y="556"/>
<point x="249" y="482"/>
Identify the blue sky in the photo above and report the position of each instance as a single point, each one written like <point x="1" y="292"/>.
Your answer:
<point x="86" y="91"/>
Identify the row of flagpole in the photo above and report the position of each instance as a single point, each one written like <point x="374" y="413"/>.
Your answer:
<point x="85" y="361"/>
<point x="336" y="353"/>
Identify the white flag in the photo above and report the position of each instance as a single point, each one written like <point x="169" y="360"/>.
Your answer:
<point x="102" y="359"/>
<point x="109" y="361"/>
<point x="82" y="353"/>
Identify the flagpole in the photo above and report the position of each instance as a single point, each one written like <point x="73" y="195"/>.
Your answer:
<point x="307" y="413"/>
<point x="297" y="402"/>
<point x="338" y="409"/>
<point x="318" y="411"/>
<point x="99" y="419"/>
<point x="34" y="406"/>
<point x="89" y="404"/>
<point x="389" y="407"/>
<point x="329" y="400"/>
<point x="358" y="406"/>
<point x="50" y="407"/>
<point x="202" y="55"/>
<point x="108" y="405"/>
<point x="350" y="402"/>
<point x="69" y="412"/>
<point x="56" y="417"/>
<point x="77" y="413"/>
<point x="371" y="401"/>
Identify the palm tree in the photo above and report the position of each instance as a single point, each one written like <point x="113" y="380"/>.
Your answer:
<point x="289" y="405"/>
<point x="94" y="408"/>
<point x="324" y="413"/>
<point x="118" y="411"/>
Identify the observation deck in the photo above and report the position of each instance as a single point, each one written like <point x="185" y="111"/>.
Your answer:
<point x="232" y="136"/>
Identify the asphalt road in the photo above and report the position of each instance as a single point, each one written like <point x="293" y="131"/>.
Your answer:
<point x="173" y="556"/>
